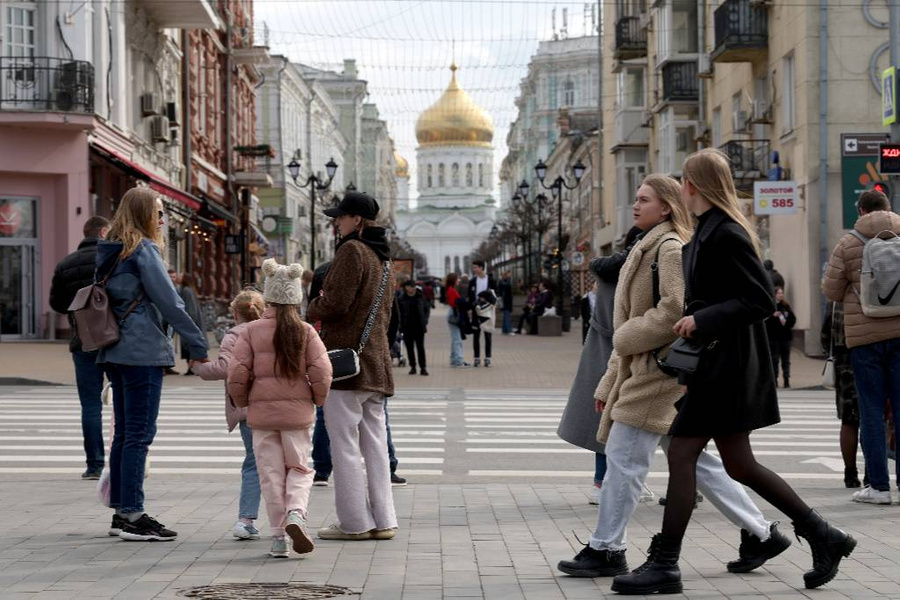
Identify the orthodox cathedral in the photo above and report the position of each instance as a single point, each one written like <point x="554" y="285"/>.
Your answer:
<point x="454" y="159"/>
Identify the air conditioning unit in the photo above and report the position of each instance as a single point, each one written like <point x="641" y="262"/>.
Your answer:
<point x="644" y="20"/>
<point x="739" y="121"/>
<point x="75" y="74"/>
<point x="149" y="104"/>
<point x="762" y="111"/>
<point x="159" y="129"/>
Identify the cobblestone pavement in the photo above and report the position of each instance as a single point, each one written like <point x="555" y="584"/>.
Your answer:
<point x="495" y="501"/>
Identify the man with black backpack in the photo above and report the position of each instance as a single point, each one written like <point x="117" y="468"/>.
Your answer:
<point x="864" y="274"/>
<point x="74" y="272"/>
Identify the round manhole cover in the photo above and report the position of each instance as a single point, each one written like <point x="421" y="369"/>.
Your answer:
<point x="269" y="591"/>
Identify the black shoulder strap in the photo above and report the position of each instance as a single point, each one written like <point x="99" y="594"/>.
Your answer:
<point x="654" y="267"/>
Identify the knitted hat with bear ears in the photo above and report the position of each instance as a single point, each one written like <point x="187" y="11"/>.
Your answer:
<point x="283" y="284"/>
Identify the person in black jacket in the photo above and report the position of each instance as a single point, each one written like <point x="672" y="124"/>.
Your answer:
<point x="414" y="313"/>
<point x="505" y="296"/>
<point x="482" y="282"/>
<point x="780" y="327"/>
<point x="73" y="273"/>
<point x="728" y="297"/>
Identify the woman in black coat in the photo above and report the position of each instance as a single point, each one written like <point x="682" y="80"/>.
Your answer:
<point x="728" y="296"/>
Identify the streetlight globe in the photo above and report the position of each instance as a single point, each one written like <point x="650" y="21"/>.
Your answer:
<point x="540" y="169"/>
<point x="294" y="168"/>
<point x="555" y="189"/>
<point x="523" y="188"/>
<point x="578" y="170"/>
<point x="331" y="168"/>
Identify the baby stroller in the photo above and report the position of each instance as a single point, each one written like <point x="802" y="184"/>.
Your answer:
<point x="397" y="350"/>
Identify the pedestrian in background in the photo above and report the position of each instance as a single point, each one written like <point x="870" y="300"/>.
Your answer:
<point x="355" y="410"/>
<point x="586" y="305"/>
<point x="874" y="342"/>
<point x="505" y="300"/>
<point x="141" y="295"/>
<point x="455" y="320"/>
<point x="776" y="278"/>
<point x="728" y="296"/>
<point x="280" y="370"/>
<point x="780" y="328"/>
<point x="414" y="313"/>
<point x="306" y="286"/>
<point x="74" y="272"/>
<point x="187" y="291"/>
<point x="530" y="301"/>
<point x="846" y="399"/>
<point x="482" y="297"/>
<point x="637" y="398"/>
<point x="247" y="306"/>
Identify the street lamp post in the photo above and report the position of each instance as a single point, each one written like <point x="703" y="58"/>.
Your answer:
<point x="521" y="206"/>
<point x="314" y="183"/>
<point x="556" y="188"/>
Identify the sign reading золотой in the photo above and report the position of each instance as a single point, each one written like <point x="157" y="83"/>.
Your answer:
<point x="775" y="197"/>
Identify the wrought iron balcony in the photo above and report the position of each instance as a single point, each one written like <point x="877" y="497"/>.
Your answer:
<point x="46" y="84"/>
<point x="680" y="82"/>
<point x="631" y="39"/>
<point x="750" y="159"/>
<point x="742" y="31"/>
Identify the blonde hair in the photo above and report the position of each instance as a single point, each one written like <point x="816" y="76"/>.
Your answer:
<point x="249" y="304"/>
<point x="136" y="219"/>
<point x="365" y="223"/>
<point x="668" y="190"/>
<point x="709" y="171"/>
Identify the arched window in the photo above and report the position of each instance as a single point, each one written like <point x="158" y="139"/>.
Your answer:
<point x="441" y="182"/>
<point x="480" y="175"/>
<point x="569" y="93"/>
<point x="454" y="175"/>
<point x="430" y="179"/>
<point x="456" y="268"/>
<point x="446" y="264"/>
<point x="468" y="174"/>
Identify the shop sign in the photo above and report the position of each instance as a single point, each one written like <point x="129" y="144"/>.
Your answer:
<point x="234" y="244"/>
<point x="860" y="153"/>
<point x="17" y="218"/>
<point x="775" y="197"/>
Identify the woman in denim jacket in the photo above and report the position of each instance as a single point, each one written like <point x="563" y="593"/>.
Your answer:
<point x="133" y="253"/>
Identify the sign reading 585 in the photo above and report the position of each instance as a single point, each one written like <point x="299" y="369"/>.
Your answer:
<point x="775" y="197"/>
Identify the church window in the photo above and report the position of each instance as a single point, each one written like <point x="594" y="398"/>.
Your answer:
<point x="481" y="175"/>
<point x="468" y="174"/>
<point x="454" y="175"/>
<point x="456" y="268"/>
<point x="552" y="92"/>
<point x="569" y="93"/>
<point x="441" y="175"/>
<point x="447" y="264"/>
<point x="466" y="260"/>
<point x="430" y="180"/>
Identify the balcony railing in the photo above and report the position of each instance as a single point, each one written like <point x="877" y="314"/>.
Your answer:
<point x="750" y="159"/>
<point x="631" y="39"/>
<point x="742" y="31"/>
<point x="46" y="84"/>
<point x="680" y="82"/>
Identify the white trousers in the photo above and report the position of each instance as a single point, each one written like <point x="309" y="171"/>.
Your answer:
<point x="629" y="452"/>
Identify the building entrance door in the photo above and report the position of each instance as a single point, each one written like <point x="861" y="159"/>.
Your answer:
<point x="19" y="268"/>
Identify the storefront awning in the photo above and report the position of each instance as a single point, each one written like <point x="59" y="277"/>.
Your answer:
<point x="163" y="187"/>
<point x="219" y="211"/>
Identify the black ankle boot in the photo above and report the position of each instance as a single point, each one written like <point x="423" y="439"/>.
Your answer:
<point x="828" y="545"/>
<point x="754" y="552"/>
<point x="595" y="563"/>
<point x="659" y="575"/>
<point x="851" y="478"/>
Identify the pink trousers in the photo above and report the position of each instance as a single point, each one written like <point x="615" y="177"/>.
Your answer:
<point x="284" y="477"/>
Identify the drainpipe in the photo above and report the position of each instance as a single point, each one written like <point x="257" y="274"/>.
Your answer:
<point x="186" y="150"/>
<point x="823" y="165"/>
<point x="599" y="173"/>
<point x="701" y="48"/>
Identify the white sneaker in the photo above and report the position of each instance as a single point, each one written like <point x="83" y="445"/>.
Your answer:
<point x="279" y="548"/>
<point x="594" y="496"/>
<point x="870" y="495"/>
<point x="244" y="531"/>
<point x="647" y="494"/>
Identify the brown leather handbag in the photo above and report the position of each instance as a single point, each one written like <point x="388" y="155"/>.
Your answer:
<point x="95" y="322"/>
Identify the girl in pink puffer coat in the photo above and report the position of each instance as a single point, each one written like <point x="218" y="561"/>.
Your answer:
<point x="281" y="371"/>
<point x="247" y="306"/>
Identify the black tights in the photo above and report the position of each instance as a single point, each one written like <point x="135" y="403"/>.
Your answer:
<point x="740" y="464"/>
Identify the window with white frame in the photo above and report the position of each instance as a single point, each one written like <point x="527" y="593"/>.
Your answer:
<point x="738" y="114"/>
<point x="630" y="88"/>
<point x="676" y="137"/>
<point x="787" y="94"/>
<point x="676" y="26"/>
<point x="21" y="29"/>
<point x="552" y="92"/>
<point x="569" y="93"/>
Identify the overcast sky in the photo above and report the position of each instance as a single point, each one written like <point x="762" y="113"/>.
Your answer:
<point x="404" y="48"/>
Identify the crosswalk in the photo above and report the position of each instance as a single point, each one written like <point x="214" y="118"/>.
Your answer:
<point x="440" y="435"/>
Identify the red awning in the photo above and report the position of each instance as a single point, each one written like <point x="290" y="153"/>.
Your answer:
<point x="163" y="187"/>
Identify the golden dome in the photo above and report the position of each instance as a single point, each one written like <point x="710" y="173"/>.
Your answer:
<point x="455" y="120"/>
<point x="402" y="169"/>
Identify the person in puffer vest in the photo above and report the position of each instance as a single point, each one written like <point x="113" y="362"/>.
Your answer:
<point x="280" y="370"/>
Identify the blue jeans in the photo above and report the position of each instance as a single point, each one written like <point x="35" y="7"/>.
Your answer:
<point x="89" y="378"/>
<point x="599" y="467"/>
<point x="507" y="321"/>
<point x="249" y="503"/>
<point x="456" y="345"/>
<point x="136" y="394"/>
<point x="876" y="369"/>
<point x="321" y="453"/>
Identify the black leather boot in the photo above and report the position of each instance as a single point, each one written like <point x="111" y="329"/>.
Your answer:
<point x="595" y="563"/>
<point x="851" y="478"/>
<point x="754" y="552"/>
<point x="659" y="575"/>
<point x="828" y="545"/>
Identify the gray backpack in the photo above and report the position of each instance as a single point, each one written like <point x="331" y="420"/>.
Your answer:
<point x="879" y="276"/>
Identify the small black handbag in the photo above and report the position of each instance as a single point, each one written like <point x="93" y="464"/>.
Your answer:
<point x="682" y="357"/>
<point x="345" y="361"/>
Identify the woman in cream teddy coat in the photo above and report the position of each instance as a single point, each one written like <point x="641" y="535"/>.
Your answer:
<point x="638" y="399"/>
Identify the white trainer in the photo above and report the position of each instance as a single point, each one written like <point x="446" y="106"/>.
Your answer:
<point x="594" y="496"/>
<point x="245" y="531"/>
<point x="647" y="494"/>
<point x="870" y="495"/>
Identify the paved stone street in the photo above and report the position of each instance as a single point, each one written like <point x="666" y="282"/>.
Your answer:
<point x="495" y="498"/>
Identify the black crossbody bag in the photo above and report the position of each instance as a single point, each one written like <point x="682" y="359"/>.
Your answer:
<point x="345" y="361"/>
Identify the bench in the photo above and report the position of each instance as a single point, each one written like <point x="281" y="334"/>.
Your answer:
<point x="548" y="326"/>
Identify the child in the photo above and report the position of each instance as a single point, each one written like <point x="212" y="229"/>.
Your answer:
<point x="281" y="372"/>
<point x="247" y="306"/>
<point x="780" y="328"/>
